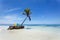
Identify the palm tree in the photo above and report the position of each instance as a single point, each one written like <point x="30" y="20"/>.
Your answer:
<point x="26" y="12"/>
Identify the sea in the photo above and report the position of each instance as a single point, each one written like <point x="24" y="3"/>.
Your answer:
<point x="35" y="26"/>
<point x="53" y="25"/>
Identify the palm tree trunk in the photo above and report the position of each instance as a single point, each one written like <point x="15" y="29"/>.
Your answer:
<point x="23" y="21"/>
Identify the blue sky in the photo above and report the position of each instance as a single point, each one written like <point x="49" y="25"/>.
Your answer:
<point x="43" y="11"/>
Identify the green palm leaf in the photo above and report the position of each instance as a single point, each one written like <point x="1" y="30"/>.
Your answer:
<point x="27" y="13"/>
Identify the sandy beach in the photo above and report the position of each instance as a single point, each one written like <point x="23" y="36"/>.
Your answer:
<point x="30" y="34"/>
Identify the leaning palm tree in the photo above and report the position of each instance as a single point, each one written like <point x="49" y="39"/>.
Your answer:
<point x="26" y="12"/>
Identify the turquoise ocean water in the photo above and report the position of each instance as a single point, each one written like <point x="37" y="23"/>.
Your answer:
<point x="47" y="25"/>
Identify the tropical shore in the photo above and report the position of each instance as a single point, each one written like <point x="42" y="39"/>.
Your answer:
<point x="30" y="34"/>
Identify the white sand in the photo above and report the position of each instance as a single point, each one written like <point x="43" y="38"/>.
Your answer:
<point x="30" y="34"/>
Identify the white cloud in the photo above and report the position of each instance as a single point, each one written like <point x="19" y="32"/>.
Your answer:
<point x="10" y="10"/>
<point x="9" y="19"/>
<point x="12" y="17"/>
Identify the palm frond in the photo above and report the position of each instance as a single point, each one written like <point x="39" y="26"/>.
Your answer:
<point x="29" y="18"/>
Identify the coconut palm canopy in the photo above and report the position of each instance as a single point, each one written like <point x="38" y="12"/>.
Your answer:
<point x="27" y="12"/>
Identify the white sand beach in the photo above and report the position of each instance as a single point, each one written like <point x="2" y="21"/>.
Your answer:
<point x="30" y="34"/>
